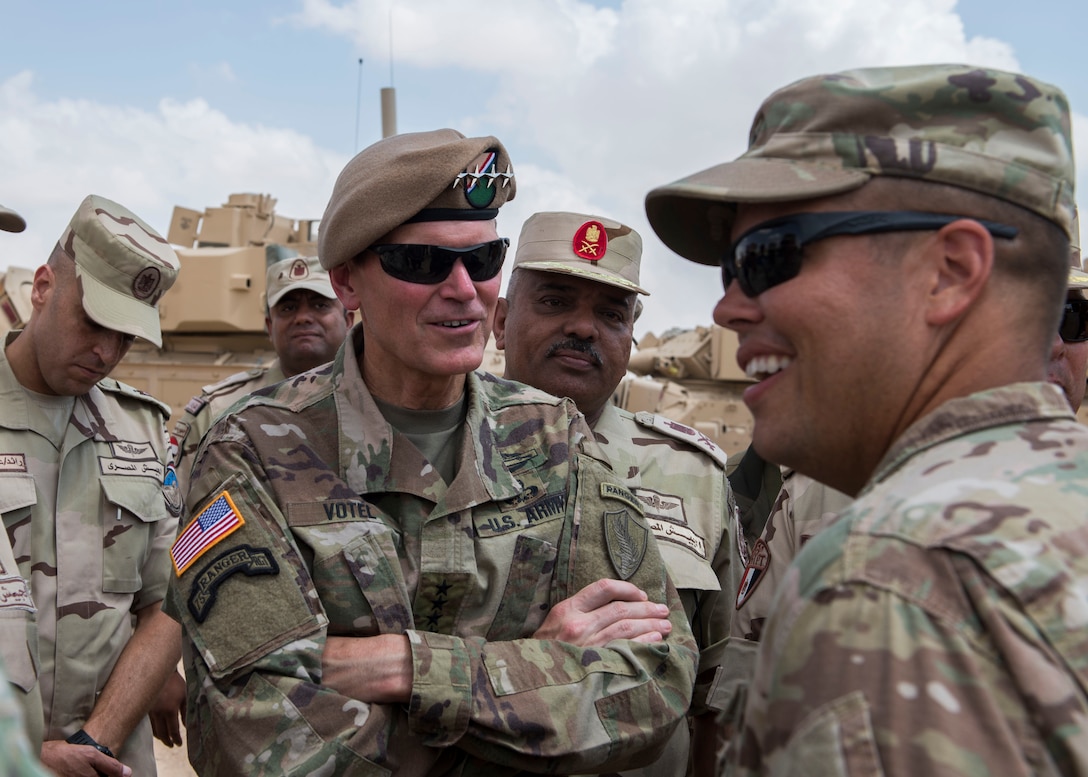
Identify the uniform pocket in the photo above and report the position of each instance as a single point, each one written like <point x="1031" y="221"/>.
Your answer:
<point x="131" y="505"/>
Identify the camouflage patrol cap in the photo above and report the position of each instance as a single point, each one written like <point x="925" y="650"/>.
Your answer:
<point x="123" y="266"/>
<point x="1001" y="134"/>
<point x="421" y="176"/>
<point x="591" y="247"/>
<point x="300" y="272"/>
<point x="10" y="221"/>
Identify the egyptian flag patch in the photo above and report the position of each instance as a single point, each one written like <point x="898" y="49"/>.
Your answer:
<point x="218" y="520"/>
<point x="758" y="562"/>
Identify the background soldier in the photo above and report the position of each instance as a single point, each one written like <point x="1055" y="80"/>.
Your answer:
<point x="567" y="326"/>
<point x="895" y="250"/>
<point x="306" y="324"/>
<point x="396" y="561"/>
<point x="91" y="506"/>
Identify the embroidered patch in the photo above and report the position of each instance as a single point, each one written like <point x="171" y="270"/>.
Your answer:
<point x="135" y="451"/>
<point x="626" y="540"/>
<point x="195" y="405"/>
<point x="246" y="559"/>
<point x="668" y="507"/>
<point x="679" y="535"/>
<point x="171" y="491"/>
<point x="145" y="284"/>
<point x="219" y="519"/>
<point x="15" y="594"/>
<point x="12" y="462"/>
<point x="619" y="492"/>
<point x="299" y="270"/>
<point x="753" y="571"/>
<point x="590" y="241"/>
<point x="147" y="469"/>
<point x="439" y="599"/>
<point x="544" y="509"/>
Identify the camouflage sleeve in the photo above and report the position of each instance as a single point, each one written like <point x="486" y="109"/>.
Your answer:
<point x="542" y="704"/>
<point x="864" y="674"/>
<point x="253" y="660"/>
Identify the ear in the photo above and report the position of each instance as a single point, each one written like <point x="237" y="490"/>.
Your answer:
<point x="268" y="325"/>
<point x="499" y="329"/>
<point x="45" y="283"/>
<point x="343" y="283"/>
<point x="961" y="262"/>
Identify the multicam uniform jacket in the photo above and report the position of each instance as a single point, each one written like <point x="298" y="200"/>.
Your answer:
<point x="940" y="626"/>
<point x="679" y="476"/>
<point x="202" y="410"/>
<point x="344" y="529"/>
<point x="90" y="526"/>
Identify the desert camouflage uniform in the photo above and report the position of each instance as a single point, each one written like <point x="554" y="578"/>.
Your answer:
<point x="212" y="401"/>
<point x="18" y="756"/>
<point x="349" y="531"/>
<point x="939" y="625"/>
<point x="103" y="489"/>
<point x="680" y="479"/>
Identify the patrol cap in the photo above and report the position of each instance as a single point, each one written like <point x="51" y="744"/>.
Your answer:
<point x="124" y="267"/>
<point x="591" y="247"/>
<point x="998" y="133"/>
<point x="10" y="221"/>
<point x="418" y="176"/>
<point x="300" y="272"/>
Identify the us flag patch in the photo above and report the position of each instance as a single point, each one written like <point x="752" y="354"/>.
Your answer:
<point x="218" y="520"/>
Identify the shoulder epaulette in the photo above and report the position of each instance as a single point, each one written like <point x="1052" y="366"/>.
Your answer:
<point x="679" y="431"/>
<point x="123" y="389"/>
<point x="234" y="380"/>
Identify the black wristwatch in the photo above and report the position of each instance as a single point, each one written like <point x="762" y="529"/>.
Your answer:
<point x="81" y="737"/>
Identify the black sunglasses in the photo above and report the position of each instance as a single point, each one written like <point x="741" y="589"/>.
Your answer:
<point x="417" y="263"/>
<point x="1074" y="325"/>
<point x="770" y="253"/>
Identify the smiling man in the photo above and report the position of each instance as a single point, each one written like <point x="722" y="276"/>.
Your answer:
<point x="306" y="324"/>
<point x="895" y="249"/>
<point x="398" y="564"/>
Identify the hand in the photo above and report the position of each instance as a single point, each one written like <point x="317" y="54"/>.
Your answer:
<point x="168" y="712"/>
<point x="603" y="611"/>
<point x="369" y="669"/>
<point x="80" y="761"/>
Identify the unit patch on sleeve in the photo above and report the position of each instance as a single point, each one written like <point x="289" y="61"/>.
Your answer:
<point x="626" y="539"/>
<point x="246" y="559"/>
<point x="219" y="519"/>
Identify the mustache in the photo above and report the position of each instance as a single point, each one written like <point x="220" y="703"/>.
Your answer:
<point x="580" y="346"/>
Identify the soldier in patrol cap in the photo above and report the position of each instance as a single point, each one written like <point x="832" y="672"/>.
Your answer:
<point x="566" y="326"/>
<point x="895" y="250"/>
<point x="306" y="324"/>
<point x="90" y="505"/>
<point x="406" y="555"/>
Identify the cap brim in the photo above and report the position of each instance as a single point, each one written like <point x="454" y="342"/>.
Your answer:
<point x="586" y="271"/>
<point x="10" y="221"/>
<point x="694" y="216"/>
<point x="324" y="289"/>
<point x="118" y="311"/>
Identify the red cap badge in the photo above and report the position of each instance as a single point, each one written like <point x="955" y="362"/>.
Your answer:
<point x="590" y="241"/>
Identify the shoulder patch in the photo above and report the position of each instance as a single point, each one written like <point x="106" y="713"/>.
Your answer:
<point x="123" y="389"/>
<point x="678" y="431"/>
<point x="218" y="520"/>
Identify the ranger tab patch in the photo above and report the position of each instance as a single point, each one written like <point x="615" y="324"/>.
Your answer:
<point x="219" y="519"/>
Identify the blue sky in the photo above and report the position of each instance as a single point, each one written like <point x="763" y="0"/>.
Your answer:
<point x="162" y="103"/>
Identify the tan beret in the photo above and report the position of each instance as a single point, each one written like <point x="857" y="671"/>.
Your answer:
<point x="591" y="247"/>
<point x="420" y="176"/>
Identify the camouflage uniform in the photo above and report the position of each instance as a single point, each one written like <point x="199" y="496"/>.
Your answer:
<point x="18" y="755"/>
<point x="680" y="479"/>
<point x="102" y="489"/>
<point x="971" y="570"/>
<point x="348" y="531"/>
<point x="212" y="401"/>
